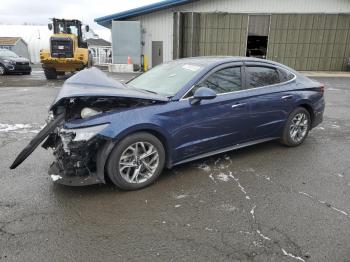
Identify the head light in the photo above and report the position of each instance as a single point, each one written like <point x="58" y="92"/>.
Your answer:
<point x="89" y="112"/>
<point x="82" y="134"/>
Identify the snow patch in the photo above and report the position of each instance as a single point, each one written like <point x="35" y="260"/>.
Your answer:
<point x="223" y="177"/>
<point x="212" y="178"/>
<point x="181" y="196"/>
<point x="19" y="128"/>
<point x="291" y="255"/>
<point x="229" y="207"/>
<point x="204" y="167"/>
<point x="340" y="211"/>
<point x="325" y="203"/>
<point x="252" y="212"/>
<point x="240" y="186"/>
<point x="335" y="126"/>
<point x="55" y="177"/>
<point x="263" y="236"/>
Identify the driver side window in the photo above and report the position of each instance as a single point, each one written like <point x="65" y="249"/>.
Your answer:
<point x="223" y="81"/>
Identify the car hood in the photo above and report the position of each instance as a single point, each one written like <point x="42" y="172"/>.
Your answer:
<point x="16" y="59"/>
<point x="94" y="83"/>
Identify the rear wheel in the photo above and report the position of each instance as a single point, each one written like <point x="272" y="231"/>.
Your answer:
<point x="296" y="128"/>
<point x="50" y="73"/>
<point x="2" y="70"/>
<point x="136" y="162"/>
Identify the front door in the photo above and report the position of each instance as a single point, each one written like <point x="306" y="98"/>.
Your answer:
<point x="157" y="53"/>
<point x="213" y="124"/>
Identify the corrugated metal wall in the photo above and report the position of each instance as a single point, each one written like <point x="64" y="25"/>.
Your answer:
<point x="159" y="26"/>
<point x="310" y="42"/>
<point x="268" y="6"/>
<point x="214" y="34"/>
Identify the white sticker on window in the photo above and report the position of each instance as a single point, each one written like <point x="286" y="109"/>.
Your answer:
<point x="193" y="68"/>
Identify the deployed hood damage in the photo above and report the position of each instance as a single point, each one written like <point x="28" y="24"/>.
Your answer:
<point x="87" y="94"/>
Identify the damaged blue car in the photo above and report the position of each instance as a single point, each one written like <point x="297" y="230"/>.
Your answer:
<point x="177" y="112"/>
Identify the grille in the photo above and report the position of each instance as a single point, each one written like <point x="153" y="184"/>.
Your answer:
<point x="22" y="63"/>
<point x="61" y="47"/>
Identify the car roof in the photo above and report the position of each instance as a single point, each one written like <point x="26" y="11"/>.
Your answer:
<point x="211" y="60"/>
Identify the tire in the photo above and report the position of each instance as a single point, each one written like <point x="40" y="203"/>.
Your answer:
<point x="297" y="136"/>
<point x="2" y="70"/>
<point x="121" y="174"/>
<point x="50" y="73"/>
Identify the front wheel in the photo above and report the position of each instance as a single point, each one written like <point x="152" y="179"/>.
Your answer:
<point x="296" y="128"/>
<point x="136" y="162"/>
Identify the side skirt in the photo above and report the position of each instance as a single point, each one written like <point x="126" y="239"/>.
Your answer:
<point x="220" y="151"/>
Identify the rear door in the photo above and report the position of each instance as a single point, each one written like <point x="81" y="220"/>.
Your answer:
<point x="272" y="98"/>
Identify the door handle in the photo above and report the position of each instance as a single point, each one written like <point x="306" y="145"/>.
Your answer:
<point x="287" y="97"/>
<point x="236" y="106"/>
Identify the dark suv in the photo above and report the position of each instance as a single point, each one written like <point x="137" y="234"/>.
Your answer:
<point x="12" y="63"/>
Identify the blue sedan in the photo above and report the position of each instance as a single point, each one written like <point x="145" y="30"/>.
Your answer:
<point x="177" y="112"/>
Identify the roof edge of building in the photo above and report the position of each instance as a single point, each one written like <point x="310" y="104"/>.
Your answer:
<point x="141" y="11"/>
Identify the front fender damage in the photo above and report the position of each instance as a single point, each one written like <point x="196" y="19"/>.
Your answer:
<point x="80" y="160"/>
<point x="81" y="164"/>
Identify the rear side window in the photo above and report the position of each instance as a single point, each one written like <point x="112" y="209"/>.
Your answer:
<point x="258" y="76"/>
<point x="285" y="75"/>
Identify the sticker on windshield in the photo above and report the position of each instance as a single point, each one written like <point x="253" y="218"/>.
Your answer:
<point x="193" y="68"/>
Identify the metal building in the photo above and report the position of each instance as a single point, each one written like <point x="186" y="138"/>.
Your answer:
<point x="306" y="35"/>
<point x="16" y="45"/>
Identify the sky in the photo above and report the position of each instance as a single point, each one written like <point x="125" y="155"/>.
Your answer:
<point x="40" y="11"/>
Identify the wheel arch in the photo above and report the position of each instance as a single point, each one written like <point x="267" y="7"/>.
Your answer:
<point x="154" y="130"/>
<point x="309" y="108"/>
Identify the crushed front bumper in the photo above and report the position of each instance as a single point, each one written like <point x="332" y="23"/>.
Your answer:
<point x="80" y="163"/>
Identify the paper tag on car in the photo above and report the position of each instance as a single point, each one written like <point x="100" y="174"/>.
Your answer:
<point x="60" y="47"/>
<point x="193" y="68"/>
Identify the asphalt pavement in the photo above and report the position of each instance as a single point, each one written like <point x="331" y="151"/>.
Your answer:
<point x="262" y="203"/>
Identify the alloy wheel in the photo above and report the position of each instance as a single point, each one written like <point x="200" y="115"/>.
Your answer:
<point x="139" y="162"/>
<point x="299" y="127"/>
<point x="2" y="70"/>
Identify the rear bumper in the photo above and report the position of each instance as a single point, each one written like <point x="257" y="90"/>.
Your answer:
<point x="319" y="109"/>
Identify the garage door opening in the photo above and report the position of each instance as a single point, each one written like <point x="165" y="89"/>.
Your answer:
<point x="258" y="32"/>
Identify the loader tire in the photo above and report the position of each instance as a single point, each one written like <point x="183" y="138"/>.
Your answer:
<point x="50" y="73"/>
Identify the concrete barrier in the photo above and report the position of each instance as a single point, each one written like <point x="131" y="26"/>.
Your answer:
<point x="121" y="68"/>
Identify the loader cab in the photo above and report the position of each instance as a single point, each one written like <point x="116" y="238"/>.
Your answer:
<point x="62" y="26"/>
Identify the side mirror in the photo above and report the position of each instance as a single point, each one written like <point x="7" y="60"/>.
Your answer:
<point x="87" y="28"/>
<point x="49" y="26"/>
<point x="203" y="93"/>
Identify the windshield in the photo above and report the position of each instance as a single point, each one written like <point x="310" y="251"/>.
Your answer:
<point x="7" y="53"/>
<point x="166" y="79"/>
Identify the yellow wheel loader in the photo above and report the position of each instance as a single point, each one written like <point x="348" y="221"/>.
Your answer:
<point x="68" y="51"/>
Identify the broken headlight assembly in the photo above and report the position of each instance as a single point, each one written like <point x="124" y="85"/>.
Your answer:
<point x="89" y="112"/>
<point x="82" y="134"/>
